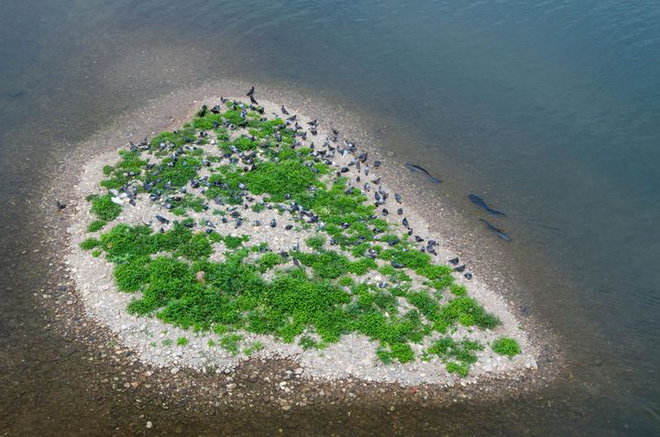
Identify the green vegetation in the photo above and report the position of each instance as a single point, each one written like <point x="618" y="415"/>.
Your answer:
<point x="89" y="244"/>
<point x="96" y="225"/>
<point x="105" y="208"/>
<point x="506" y="346"/>
<point x="458" y="356"/>
<point x="254" y="347"/>
<point x="311" y="295"/>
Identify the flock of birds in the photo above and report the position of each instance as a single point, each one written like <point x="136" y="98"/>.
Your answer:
<point x="330" y="149"/>
<point x="360" y="163"/>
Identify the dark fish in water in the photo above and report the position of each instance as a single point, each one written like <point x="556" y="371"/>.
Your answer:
<point x="415" y="167"/>
<point x="481" y="204"/>
<point x="503" y="235"/>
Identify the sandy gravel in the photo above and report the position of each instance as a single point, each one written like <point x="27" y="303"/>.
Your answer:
<point x="354" y="356"/>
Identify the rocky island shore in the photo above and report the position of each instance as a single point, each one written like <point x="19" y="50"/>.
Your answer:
<point x="254" y="231"/>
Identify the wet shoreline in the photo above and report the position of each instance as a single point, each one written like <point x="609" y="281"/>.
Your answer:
<point x="97" y="344"/>
<point x="93" y="353"/>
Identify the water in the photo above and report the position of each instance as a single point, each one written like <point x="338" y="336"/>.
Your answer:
<point x="548" y="109"/>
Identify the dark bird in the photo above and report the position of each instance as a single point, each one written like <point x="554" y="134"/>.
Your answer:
<point x="249" y="93"/>
<point x="284" y="111"/>
<point x="253" y="100"/>
<point x="454" y="260"/>
<point x="59" y="205"/>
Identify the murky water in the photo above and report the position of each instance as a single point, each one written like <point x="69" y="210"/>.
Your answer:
<point x="547" y="109"/>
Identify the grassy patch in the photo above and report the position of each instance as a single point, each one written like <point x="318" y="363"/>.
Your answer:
<point x="104" y="208"/>
<point x="96" y="225"/>
<point x="311" y="296"/>
<point x="90" y="243"/>
<point x="458" y="356"/>
<point x="506" y="346"/>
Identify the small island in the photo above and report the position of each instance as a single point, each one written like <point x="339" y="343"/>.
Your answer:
<point x="254" y="231"/>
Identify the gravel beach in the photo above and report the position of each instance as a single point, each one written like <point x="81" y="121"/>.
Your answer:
<point x="352" y="357"/>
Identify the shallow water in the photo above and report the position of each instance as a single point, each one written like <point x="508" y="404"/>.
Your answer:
<point x="547" y="109"/>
